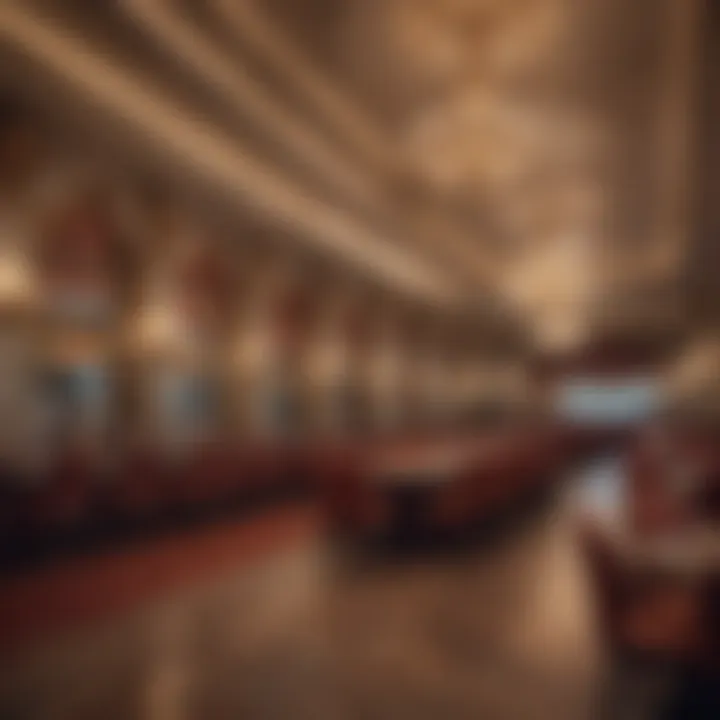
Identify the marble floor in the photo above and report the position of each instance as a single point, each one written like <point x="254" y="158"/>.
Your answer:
<point x="505" y="632"/>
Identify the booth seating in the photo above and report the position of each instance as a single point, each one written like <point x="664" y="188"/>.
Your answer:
<point x="677" y="485"/>
<point x="148" y="487"/>
<point x="300" y="466"/>
<point x="350" y="507"/>
<point x="488" y="483"/>
<point x="207" y="476"/>
<point x="66" y="499"/>
<point x="653" y="507"/>
<point x="218" y="472"/>
<point x="451" y="482"/>
<point x="445" y="483"/>
<point x="655" y="560"/>
<point x="141" y="488"/>
<point x="651" y="616"/>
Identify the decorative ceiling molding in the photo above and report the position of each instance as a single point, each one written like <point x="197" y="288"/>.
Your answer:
<point x="441" y="238"/>
<point x="493" y="162"/>
<point x="252" y="27"/>
<point x="166" y="133"/>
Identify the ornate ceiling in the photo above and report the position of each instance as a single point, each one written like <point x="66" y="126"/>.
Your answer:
<point x="563" y="123"/>
<point x="529" y="156"/>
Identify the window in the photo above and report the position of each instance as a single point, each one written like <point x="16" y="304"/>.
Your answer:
<point x="613" y="402"/>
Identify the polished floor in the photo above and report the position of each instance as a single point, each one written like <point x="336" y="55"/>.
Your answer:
<point x="505" y="632"/>
<point x="47" y="595"/>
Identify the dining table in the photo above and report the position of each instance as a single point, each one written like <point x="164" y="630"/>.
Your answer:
<point x="427" y="465"/>
<point x="413" y="478"/>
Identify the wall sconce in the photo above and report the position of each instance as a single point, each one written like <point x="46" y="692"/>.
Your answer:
<point x="17" y="284"/>
<point x="157" y="328"/>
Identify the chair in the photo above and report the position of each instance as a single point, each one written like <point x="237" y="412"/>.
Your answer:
<point x="351" y="506"/>
<point x="142" y="489"/>
<point x="649" y="616"/>
<point x="66" y="501"/>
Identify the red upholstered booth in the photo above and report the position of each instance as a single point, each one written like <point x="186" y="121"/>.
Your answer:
<point x="651" y="616"/>
<point x="67" y="499"/>
<point x="653" y="572"/>
<point x="142" y="488"/>
<point x="350" y="506"/>
<point x="467" y="479"/>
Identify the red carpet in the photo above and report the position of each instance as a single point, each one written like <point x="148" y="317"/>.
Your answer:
<point x="75" y="591"/>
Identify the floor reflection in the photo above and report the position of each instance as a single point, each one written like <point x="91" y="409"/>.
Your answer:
<point x="502" y="633"/>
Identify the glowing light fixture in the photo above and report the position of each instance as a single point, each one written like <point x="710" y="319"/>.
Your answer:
<point x="17" y="284"/>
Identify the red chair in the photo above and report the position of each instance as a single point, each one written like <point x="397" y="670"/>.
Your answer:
<point x="455" y="509"/>
<point x="648" y="616"/>
<point x="67" y="500"/>
<point x="203" y="477"/>
<point x="314" y="468"/>
<point x="228" y="477"/>
<point x="269" y="462"/>
<point x="654" y="506"/>
<point x="496" y="479"/>
<point x="143" y="488"/>
<point x="245" y="472"/>
<point x="352" y="506"/>
<point x="299" y="468"/>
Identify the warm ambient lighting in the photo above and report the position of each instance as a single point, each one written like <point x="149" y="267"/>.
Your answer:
<point x="696" y="370"/>
<point x="219" y="160"/>
<point x="555" y="289"/>
<point x="561" y="333"/>
<point x="157" y="329"/>
<point x="254" y="349"/>
<point x="17" y="287"/>
<point x="479" y="133"/>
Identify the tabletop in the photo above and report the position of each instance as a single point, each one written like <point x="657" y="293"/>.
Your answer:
<point x="428" y="464"/>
